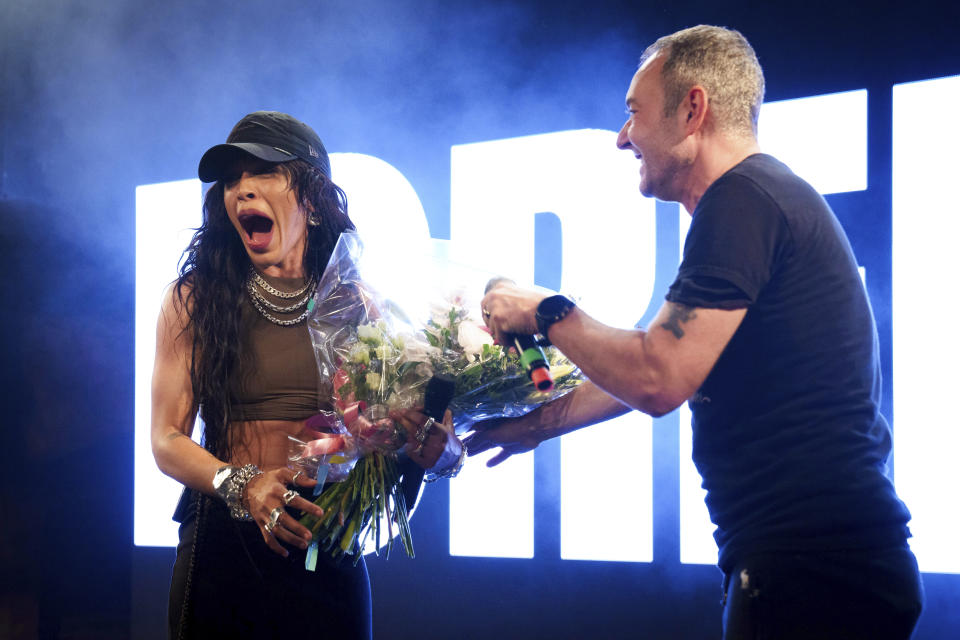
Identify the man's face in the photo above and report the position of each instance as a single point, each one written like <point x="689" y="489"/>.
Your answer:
<point x="653" y="138"/>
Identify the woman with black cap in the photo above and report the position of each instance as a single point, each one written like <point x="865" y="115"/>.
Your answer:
<point x="232" y="344"/>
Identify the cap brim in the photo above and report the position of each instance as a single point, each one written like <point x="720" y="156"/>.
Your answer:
<point x="220" y="159"/>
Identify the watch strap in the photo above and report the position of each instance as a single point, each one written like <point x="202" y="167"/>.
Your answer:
<point x="551" y="310"/>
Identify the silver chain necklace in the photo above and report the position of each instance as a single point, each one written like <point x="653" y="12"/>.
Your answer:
<point x="261" y="304"/>
<point x="266" y="286"/>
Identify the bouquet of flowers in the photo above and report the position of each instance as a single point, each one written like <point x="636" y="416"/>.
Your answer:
<point x="374" y="359"/>
<point x="373" y="362"/>
<point x="491" y="381"/>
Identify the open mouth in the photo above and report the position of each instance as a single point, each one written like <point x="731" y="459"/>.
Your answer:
<point x="258" y="229"/>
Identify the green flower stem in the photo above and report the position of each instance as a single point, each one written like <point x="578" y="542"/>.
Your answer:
<point x="353" y="508"/>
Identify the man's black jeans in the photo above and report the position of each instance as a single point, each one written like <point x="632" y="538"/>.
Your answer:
<point x="871" y="594"/>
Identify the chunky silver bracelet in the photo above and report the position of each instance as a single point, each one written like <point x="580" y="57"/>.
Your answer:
<point x="450" y="472"/>
<point x="229" y="483"/>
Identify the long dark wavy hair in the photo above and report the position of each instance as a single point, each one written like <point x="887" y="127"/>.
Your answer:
<point x="211" y="286"/>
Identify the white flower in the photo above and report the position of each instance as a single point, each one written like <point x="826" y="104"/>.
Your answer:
<point x="472" y="338"/>
<point x="360" y="353"/>
<point x="384" y="352"/>
<point x="368" y="333"/>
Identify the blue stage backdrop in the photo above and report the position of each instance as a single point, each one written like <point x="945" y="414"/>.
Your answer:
<point x="451" y="121"/>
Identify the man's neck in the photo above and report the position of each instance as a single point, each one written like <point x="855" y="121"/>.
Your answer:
<point x="717" y="156"/>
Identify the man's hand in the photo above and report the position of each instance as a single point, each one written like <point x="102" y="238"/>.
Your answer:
<point x="509" y="309"/>
<point x="512" y="435"/>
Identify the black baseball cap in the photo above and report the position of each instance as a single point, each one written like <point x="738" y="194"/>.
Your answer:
<point x="269" y="135"/>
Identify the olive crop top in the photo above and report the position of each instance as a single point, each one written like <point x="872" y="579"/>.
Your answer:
<point x="283" y="382"/>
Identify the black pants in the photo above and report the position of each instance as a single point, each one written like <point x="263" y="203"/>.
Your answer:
<point x="228" y="584"/>
<point x="849" y="595"/>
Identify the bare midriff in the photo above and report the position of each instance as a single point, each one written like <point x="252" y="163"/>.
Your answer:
<point x="265" y="443"/>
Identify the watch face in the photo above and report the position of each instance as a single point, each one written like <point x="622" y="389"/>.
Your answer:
<point x="554" y="306"/>
<point x="551" y="306"/>
<point x="550" y="310"/>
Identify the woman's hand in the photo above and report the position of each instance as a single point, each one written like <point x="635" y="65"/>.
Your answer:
<point x="440" y="447"/>
<point x="270" y="491"/>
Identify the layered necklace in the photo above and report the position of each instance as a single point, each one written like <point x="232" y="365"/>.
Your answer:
<point x="295" y="299"/>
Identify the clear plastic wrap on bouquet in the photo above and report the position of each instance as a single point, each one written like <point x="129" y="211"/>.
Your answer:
<point x="513" y="394"/>
<point x="490" y="380"/>
<point x="328" y="454"/>
<point x="372" y="361"/>
<point x="377" y="354"/>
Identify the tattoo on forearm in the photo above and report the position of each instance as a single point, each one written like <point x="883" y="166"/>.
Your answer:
<point x="174" y="436"/>
<point x="678" y="314"/>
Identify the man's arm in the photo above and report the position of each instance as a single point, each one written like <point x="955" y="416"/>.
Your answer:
<point x="653" y="371"/>
<point x="587" y="404"/>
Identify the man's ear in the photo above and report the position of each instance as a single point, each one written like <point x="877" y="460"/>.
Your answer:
<point x="694" y="107"/>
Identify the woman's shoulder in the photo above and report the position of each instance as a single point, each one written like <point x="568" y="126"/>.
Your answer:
<point x="177" y="302"/>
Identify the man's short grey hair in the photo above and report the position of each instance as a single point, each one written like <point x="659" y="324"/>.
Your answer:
<point x="722" y="62"/>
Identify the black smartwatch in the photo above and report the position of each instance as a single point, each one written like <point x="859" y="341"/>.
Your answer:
<point x="550" y="310"/>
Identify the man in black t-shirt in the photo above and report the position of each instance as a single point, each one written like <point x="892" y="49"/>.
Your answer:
<point x="767" y="331"/>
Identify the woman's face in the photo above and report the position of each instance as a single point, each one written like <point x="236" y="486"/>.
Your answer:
<point x="265" y="212"/>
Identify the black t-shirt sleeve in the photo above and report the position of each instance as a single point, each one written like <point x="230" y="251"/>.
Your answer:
<point x="736" y="238"/>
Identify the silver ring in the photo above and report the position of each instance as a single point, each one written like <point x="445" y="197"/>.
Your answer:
<point x="289" y="496"/>
<point x="296" y="475"/>
<point x="274" y="519"/>
<point x="424" y="430"/>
